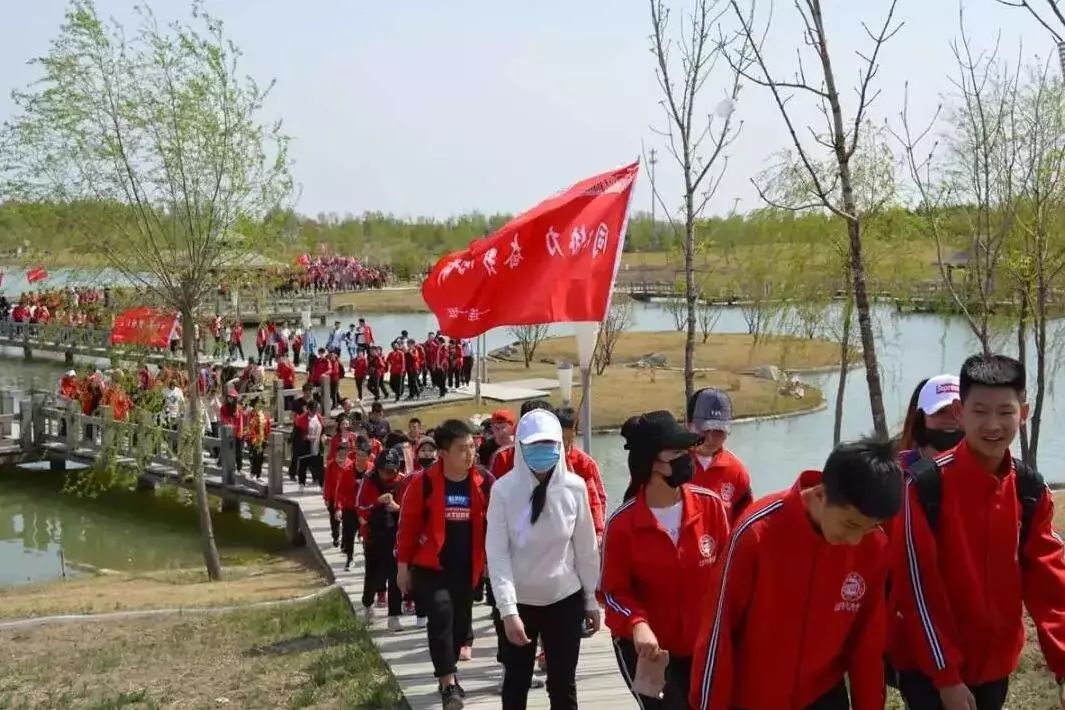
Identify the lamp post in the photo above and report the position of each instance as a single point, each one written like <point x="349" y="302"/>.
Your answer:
<point x="586" y="337"/>
<point x="565" y="382"/>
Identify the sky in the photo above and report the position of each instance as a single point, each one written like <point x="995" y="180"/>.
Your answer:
<point x="433" y="108"/>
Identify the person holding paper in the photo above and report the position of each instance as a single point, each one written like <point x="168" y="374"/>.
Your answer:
<point x="660" y="550"/>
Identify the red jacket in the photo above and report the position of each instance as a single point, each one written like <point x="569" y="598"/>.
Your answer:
<point x="727" y="476"/>
<point x="440" y="359"/>
<point x="958" y="594"/>
<point x="646" y="578"/>
<point x="502" y="460"/>
<point x="360" y="366"/>
<point x="377" y="365"/>
<point x="585" y="466"/>
<point x="366" y="501"/>
<point x="287" y="374"/>
<point x="421" y="532"/>
<point x="320" y="369"/>
<point x="790" y="614"/>
<point x="397" y="362"/>
<point x="334" y="371"/>
<point x="344" y="479"/>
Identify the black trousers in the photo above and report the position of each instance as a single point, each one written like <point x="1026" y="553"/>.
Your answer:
<point x="413" y="389"/>
<point x="312" y="463"/>
<point x="256" y="454"/>
<point x="560" y="626"/>
<point x="381" y="569"/>
<point x="497" y="621"/>
<point x="440" y="381"/>
<point x="334" y="524"/>
<point x="349" y="525"/>
<point x="678" y="676"/>
<point x="919" y="693"/>
<point x="447" y="598"/>
<point x="467" y="369"/>
<point x="238" y="447"/>
<point x="359" y="382"/>
<point x="396" y="382"/>
<point x="311" y="358"/>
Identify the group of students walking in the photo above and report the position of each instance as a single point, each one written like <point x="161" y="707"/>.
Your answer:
<point x="909" y="568"/>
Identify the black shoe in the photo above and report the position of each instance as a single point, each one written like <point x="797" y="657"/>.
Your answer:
<point x="451" y="699"/>
<point x="459" y="689"/>
<point x="336" y="542"/>
<point x="347" y="566"/>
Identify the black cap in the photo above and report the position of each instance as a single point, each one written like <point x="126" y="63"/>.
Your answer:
<point x="363" y="445"/>
<point x="392" y="458"/>
<point x="657" y="431"/>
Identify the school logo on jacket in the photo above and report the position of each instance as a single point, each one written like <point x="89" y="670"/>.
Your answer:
<point x="852" y="592"/>
<point x="727" y="489"/>
<point x="708" y="549"/>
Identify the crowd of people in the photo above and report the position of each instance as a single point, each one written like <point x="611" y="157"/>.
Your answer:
<point x="905" y="563"/>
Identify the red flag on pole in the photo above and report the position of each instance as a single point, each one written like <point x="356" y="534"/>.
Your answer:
<point x="555" y="263"/>
<point x="35" y="274"/>
<point x="144" y="327"/>
<point x="303" y="260"/>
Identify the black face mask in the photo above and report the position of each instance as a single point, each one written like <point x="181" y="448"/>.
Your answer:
<point x="939" y="439"/>
<point x="680" y="471"/>
<point x="426" y="461"/>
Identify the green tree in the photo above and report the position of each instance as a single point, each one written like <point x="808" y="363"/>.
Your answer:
<point x="160" y="121"/>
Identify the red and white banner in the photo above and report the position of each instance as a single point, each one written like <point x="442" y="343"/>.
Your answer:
<point x="555" y="263"/>
<point x="144" y="327"/>
<point x="35" y="274"/>
<point x="303" y="260"/>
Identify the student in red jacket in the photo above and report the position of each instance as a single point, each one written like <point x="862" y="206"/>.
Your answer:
<point x="360" y="368"/>
<point x="717" y="468"/>
<point x="798" y="602"/>
<point x="319" y="369"/>
<point x="584" y="466"/>
<point x="347" y="474"/>
<point x="378" y="504"/>
<point x="440" y="547"/>
<point x="397" y="368"/>
<point x="959" y="588"/>
<point x="659" y="553"/>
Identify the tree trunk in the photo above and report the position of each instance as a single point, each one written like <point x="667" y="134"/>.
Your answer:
<point x="865" y="318"/>
<point x="844" y="360"/>
<point x="195" y="423"/>
<point x="1041" y="316"/>
<point x="689" y="295"/>
<point x="1022" y="355"/>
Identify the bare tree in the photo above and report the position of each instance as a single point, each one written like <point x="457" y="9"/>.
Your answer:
<point x="1055" y="25"/>
<point x="529" y="338"/>
<point x="618" y="320"/>
<point x="163" y="124"/>
<point x="694" y="138"/>
<point x="975" y="178"/>
<point x="841" y="137"/>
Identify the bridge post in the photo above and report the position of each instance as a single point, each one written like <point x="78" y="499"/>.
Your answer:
<point x="230" y="504"/>
<point x="26" y="425"/>
<point x="279" y="402"/>
<point x="327" y="395"/>
<point x="73" y="426"/>
<point x="38" y="418"/>
<point x="7" y="406"/>
<point x="107" y="428"/>
<point x="275" y="482"/>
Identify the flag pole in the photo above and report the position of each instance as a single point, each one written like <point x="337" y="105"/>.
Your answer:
<point x="478" y="355"/>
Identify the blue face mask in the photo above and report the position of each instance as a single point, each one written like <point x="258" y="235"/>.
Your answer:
<point x="541" y="456"/>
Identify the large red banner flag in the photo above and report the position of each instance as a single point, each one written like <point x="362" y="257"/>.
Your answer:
<point x="555" y="263"/>
<point x="35" y="274"/>
<point x="143" y="327"/>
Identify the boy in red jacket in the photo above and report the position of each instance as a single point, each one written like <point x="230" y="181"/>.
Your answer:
<point x="960" y="585"/>
<point x="378" y="506"/>
<point x="717" y="468"/>
<point x="360" y="368"/>
<point x="799" y="601"/>
<point x="440" y="547"/>
<point x="397" y="368"/>
<point x="346" y="474"/>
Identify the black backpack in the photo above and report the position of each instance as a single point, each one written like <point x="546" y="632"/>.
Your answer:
<point x="926" y="478"/>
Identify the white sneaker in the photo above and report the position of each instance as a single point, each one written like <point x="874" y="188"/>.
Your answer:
<point x="421" y="622"/>
<point x="367" y="615"/>
<point x="394" y="624"/>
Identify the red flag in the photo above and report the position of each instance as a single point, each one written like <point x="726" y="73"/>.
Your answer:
<point x="555" y="263"/>
<point x="303" y="260"/>
<point x="35" y="274"/>
<point x="144" y="327"/>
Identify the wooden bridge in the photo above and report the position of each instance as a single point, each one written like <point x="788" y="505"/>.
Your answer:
<point x="36" y="427"/>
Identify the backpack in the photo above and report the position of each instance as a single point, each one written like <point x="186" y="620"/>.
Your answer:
<point x="1031" y="487"/>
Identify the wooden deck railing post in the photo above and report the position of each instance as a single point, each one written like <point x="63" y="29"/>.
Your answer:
<point x="107" y="428"/>
<point x="7" y="406"/>
<point x="279" y="402"/>
<point x="36" y="406"/>
<point x="73" y="426"/>
<point x="25" y="430"/>
<point x="275" y="481"/>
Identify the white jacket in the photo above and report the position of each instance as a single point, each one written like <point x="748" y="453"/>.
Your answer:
<point x="543" y="563"/>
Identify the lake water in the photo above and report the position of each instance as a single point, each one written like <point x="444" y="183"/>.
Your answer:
<point x="910" y="346"/>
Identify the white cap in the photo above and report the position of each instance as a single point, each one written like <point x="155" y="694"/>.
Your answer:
<point x="539" y="425"/>
<point x="937" y="393"/>
<point x="71" y="373"/>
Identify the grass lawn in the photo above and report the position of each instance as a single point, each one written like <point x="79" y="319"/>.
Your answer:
<point x="309" y="655"/>
<point x="407" y="300"/>
<point x="266" y="579"/>
<point x="734" y="352"/>
<point x="621" y="392"/>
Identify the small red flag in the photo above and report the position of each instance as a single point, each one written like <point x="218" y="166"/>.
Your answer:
<point x="303" y="260"/>
<point x="555" y="263"/>
<point x="144" y="326"/>
<point x="35" y="274"/>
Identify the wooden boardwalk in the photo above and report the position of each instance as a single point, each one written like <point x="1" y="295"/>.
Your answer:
<point x="34" y="432"/>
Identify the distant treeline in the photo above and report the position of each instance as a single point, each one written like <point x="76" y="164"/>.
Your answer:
<point x="411" y="245"/>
